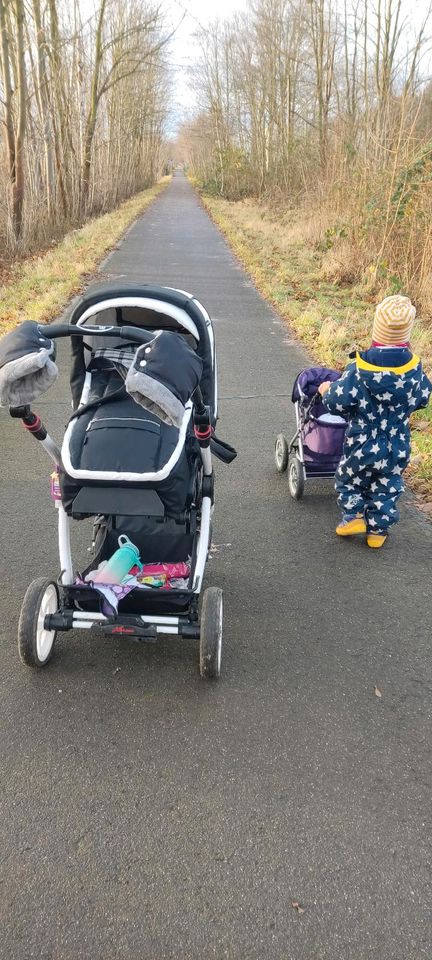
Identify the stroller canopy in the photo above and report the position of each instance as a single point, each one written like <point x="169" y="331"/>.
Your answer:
<point x="307" y="382"/>
<point x="152" y="308"/>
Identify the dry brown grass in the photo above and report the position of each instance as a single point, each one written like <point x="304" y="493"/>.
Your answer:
<point x="341" y="265"/>
<point x="39" y="288"/>
<point x="324" y="295"/>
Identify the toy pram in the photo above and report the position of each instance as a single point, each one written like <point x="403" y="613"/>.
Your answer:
<point x="136" y="457"/>
<point x="316" y="447"/>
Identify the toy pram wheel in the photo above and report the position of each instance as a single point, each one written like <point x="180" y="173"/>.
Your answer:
<point x="35" y="643"/>
<point x="211" y="633"/>
<point x="296" y="478"/>
<point x="281" y="453"/>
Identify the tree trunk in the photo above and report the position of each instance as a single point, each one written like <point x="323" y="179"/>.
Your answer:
<point x="14" y="134"/>
<point x="92" y="112"/>
<point x="18" y="186"/>
<point x="43" y="105"/>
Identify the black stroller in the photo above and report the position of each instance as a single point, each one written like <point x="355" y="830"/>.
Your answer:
<point x="136" y="457"/>
<point x="315" y="449"/>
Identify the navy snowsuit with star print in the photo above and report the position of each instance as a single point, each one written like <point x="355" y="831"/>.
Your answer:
<point x="376" y="394"/>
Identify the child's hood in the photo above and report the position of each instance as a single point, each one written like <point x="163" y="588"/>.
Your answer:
<point x="387" y="383"/>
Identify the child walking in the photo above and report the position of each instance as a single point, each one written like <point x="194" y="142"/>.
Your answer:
<point x="376" y="394"/>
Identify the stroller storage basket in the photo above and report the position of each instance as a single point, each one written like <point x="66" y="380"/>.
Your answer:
<point x="323" y="440"/>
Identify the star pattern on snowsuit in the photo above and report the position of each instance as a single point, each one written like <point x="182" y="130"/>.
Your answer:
<point x="377" y="405"/>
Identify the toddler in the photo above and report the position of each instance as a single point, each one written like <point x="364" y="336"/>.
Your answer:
<point x="376" y="394"/>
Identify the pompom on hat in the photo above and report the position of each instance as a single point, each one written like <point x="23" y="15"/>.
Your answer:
<point x="394" y="320"/>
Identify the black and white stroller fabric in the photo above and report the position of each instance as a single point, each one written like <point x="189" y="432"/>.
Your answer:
<point x="133" y="419"/>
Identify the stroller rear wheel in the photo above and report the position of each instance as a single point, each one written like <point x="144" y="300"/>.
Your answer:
<point x="296" y="478"/>
<point x="35" y="643"/>
<point x="211" y="633"/>
<point x="281" y="453"/>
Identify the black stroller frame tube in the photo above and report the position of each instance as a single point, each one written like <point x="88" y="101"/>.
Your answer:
<point x="33" y="423"/>
<point x="55" y="331"/>
<point x="297" y="436"/>
<point x="136" y="626"/>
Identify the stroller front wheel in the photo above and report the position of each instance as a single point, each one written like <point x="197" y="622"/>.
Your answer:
<point x="296" y="478"/>
<point x="35" y="643"/>
<point x="211" y="634"/>
<point x="281" y="453"/>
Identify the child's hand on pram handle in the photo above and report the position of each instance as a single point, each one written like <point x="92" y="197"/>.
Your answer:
<point x="323" y="387"/>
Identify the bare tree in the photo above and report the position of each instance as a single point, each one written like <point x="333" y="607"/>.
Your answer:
<point x="15" y="103"/>
<point x="83" y="106"/>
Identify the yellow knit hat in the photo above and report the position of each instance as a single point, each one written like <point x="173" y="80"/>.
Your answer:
<point x="393" y="321"/>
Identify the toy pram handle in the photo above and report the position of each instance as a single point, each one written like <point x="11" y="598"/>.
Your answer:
<point x="55" y="330"/>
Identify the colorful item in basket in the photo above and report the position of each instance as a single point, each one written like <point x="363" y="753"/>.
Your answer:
<point x="152" y="581"/>
<point x="117" y="568"/>
<point x="111" y="593"/>
<point x="95" y="574"/>
<point x="181" y="583"/>
<point x="171" y="571"/>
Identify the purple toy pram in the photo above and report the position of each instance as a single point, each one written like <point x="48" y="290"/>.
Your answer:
<point x="316" y="447"/>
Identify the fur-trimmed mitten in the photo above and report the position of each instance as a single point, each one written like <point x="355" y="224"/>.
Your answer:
<point x="163" y="376"/>
<point x="27" y="366"/>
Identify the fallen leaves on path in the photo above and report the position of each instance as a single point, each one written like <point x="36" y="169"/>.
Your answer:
<point x="297" y="906"/>
<point x="426" y="507"/>
<point x="377" y="692"/>
<point x="217" y="547"/>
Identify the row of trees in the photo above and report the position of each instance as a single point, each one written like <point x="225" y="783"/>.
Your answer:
<point x="287" y="83"/>
<point x="82" y="96"/>
<point x="327" y="104"/>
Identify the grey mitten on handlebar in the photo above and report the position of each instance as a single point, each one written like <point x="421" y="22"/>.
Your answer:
<point x="27" y="366"/>
<point x="163" y="376"/>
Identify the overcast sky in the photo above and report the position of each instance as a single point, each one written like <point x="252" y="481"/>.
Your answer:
<point x="186" y="17"/>
<point x="184" y="48"/>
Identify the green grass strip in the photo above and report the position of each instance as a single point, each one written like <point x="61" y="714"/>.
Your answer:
<point x="39" y="288"/>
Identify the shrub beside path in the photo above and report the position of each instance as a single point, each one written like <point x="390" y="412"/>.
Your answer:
<point x="331" y="315"/>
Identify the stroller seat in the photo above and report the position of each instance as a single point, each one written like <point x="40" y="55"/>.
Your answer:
<point x="111" y="442"/>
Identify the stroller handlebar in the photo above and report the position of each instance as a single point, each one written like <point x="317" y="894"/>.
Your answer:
<point x="56" y="330"/>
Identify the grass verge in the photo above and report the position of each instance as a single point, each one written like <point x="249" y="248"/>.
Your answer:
<point x="39" y="287"/>
<point x="293" y="271"/>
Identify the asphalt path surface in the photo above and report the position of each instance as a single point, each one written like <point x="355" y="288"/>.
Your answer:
<point x="146" y="814"/>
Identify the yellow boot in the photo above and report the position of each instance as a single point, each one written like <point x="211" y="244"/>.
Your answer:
<point x="376" y="540"/>
<point x="349" y="526"/>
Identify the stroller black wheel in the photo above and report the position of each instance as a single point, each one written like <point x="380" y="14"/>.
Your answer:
<point x="35" y="643"/>
<point x="281" y="453"/>
<point x="296" y="478"/>
<point x="211" y="633"/>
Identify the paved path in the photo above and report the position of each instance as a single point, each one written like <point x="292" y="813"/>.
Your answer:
<point x="146" y="815"/>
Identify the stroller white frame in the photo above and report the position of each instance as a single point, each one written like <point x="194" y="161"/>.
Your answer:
<point x="209" y="631"/>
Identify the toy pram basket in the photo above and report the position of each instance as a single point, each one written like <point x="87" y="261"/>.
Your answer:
<point x="315" y="449"/>
<point x="136" y="457"/>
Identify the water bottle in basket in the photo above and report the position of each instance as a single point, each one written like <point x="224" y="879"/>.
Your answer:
<point x="118" y="566"/>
